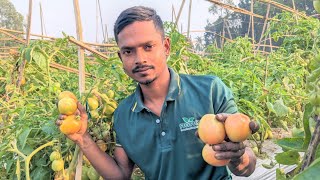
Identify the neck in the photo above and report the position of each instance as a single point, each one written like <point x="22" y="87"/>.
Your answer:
<point x="157" y="90"/>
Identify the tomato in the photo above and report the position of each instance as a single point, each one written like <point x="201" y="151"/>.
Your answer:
<point x="67" y="106"/>
<point x="93" y="103"/>
<point x="93" y="174"/>
<point x="69" y="94"/>
<point x="70" y="125"/>
<point x="94" y="114"/>
<point x="110" y="94"/>
<point x="84" y="173"/>
<point x="57" y="165"/>
<point x="55" y="155"/>
<point x="102" y="145"/>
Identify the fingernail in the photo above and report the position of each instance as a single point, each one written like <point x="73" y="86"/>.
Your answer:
<point x="218" y="156"/>
<point x="216" y="148"/>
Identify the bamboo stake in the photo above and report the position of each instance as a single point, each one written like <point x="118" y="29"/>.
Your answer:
<point x="65" y="68"/>
<point x="41" y="19"/>
<point x="6" y="39"/>
<point x="252" y="23"/>
<point x="228" y="29"/>
<point x="37" y="35"/>
<point x="81" y="73"/>
<point x="83" y="46"/>
<point x="97" y="21"/>
<point x="180" y="10"/>
<point x="264" y="26"/>
<point x="283" y="7"/>
<point x="223" y="33"/>
<point x="236" y="9"/>
<point x="189" y="18"/>
<point x="104" y="36"/>
<point x="24" y="61"/>
<point x="13" y="36"/>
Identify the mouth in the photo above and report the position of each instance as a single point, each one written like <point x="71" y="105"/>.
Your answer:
<point x="141" y="69"/>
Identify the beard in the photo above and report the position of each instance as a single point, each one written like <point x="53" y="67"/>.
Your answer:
<point x="147" y="82"/>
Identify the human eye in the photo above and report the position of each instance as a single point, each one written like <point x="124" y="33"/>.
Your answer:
<point x="148" y="46"/>
<point x="126" y="52"/>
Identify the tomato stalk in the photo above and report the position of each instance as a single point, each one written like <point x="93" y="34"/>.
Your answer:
<point x="27" y="159"/>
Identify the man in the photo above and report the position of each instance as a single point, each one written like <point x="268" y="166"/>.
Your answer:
<point x="156" y="126"/>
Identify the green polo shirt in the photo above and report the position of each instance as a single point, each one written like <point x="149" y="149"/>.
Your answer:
<point x="166" y="147"/>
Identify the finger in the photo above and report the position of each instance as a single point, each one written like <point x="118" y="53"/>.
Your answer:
<point x="228" y="146"/>
<point x="62" y="117"/>
<point x="229" y="154"/>
<point x="196" y="134"/>
<point x="222" y="117"/>
<point x="82" y="110"/>
<point x="254" y="126"/>
<point x="59" y="122"/>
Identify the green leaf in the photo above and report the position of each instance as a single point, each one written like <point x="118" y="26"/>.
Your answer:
<point x="280" y="175"/>
<point x="288" y="157"/>
<point x="312" y="172"/>
<point x="306" y="115"/>
<point x="22" y="138"/>
<point x="270" y="107"/>
<point x="27" y="54"/>
<point x="40" y="173"/>
<point x="280" y="109"/>
<point x="40" y="59"/>
<point x="49" y="127"/>
<point x="291" y="144"/>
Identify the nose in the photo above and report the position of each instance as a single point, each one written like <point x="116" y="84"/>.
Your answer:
<point x="140" y="57"/>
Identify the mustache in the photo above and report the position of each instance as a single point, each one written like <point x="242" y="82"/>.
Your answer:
<point x="139" y="67"/>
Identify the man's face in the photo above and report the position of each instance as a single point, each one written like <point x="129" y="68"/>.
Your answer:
<point x="143" y="51"/>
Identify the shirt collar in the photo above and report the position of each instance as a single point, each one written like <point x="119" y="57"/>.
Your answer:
<point x="173" y="92"/>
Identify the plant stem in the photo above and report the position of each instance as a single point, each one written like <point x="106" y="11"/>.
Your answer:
<point x="28" y="158"/>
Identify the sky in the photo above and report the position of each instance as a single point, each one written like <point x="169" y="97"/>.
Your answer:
<point x="59" y="16"/>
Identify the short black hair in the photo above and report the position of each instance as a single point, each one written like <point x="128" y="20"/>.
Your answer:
<point x="137" y="13"/>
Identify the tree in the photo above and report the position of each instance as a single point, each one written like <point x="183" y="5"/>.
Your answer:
<point x="9" y="18"/>
<point x="238" y="23"/>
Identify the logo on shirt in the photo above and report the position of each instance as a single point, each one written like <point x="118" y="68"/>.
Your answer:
<point x="188" y="124"/>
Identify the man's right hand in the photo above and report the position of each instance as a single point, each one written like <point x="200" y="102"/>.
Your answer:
<point x="77" y="137"/>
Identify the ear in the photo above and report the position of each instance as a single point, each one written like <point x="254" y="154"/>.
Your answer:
<point x="119" y="55"/>
<point x="167" y="45"/>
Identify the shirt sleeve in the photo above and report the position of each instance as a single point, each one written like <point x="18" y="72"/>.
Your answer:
<point x="222" y="98"/>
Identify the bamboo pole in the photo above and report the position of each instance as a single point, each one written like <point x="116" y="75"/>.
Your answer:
<point x="236" y="9"/>
<point x="252" y="23"/>
<point x="13" y="36"/>
<point x="24" y="61"/>
<point x="41" y="19"/>
<point x="264" y="26"/>
<point x="37" y="35"/>
<point x="179" y="13"/>
<point x="83" y="46"/>
<point x="104" y="36"/>
<point x="81" y="73"/>
<point x="97" y="21"/>
<point x="65" y="68"/>
<point x="228" y="29"/>
<point x="283" y="7"/>
<point x="189" y="18"/>
<point x="6" y="39"/>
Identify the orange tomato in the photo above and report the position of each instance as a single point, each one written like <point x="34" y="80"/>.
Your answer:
<point x="69" y="94"/>
<point x="70" y="125"/>
<point x="67" y="106"/>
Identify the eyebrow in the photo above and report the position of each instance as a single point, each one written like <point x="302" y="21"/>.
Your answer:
<point x="132" y="47"/>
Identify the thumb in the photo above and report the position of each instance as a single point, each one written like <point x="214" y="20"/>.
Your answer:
<point x="82" y="110"/>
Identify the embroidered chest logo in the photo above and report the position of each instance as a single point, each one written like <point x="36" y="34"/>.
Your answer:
<point x="188" y="124"/>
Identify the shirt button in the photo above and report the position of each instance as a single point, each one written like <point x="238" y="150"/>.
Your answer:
<point x="158" y="121"/>
<point x="163" y="133"/>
